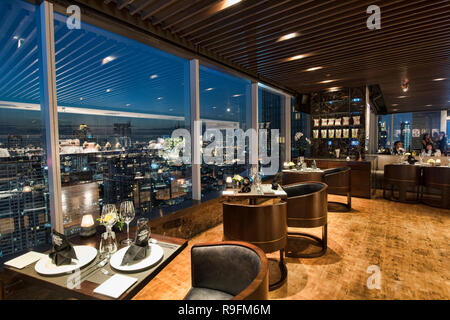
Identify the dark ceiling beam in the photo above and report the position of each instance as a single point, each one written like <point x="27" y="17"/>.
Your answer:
<point x="156" y="8"/>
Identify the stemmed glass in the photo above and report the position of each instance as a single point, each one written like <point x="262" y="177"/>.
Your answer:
<point x="108" y="244"/>
<point x="127" y="213"/>
<point x="109" y="209"/>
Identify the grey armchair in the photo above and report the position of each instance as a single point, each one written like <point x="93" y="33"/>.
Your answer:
<point x="228" y="270"/>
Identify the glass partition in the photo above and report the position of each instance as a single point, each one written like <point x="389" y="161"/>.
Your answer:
<point x="225" y="104"/>
<point x="119" y="101"/>
<point x="24" y="209"/>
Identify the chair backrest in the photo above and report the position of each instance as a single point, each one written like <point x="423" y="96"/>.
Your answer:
<point x="296" y="177"/>
<point x="262" y="225"/>
<point x="402" y="173"/>
<point x="338" y="180"/>
<point x="307" y="205"/>
<point x="238" y="268"/>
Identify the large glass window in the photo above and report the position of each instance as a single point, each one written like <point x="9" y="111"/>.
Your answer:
<point x="119" y="102"/>
<point x="24" y="213"/>
<point x="270" y="117"/>
<point x="225" y="103"/>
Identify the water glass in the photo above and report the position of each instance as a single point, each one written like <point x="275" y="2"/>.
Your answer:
<point x="108" y="244"/>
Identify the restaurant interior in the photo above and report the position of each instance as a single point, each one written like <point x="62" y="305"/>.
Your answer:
<point x="224" y="150"/>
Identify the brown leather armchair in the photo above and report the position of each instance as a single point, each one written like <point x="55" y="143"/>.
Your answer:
<point x="228" y="271"/>
<point x="403" y="177"/>
<point x="437" y="178"/>
<point x="307" y="208"/>
<point x="262" y="225"/>
<point x="339" y="183"/>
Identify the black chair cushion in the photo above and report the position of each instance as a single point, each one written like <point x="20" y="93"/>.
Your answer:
<point x="226" y="268"/>
<point x="301" y="189"/>
<point x="207" y="294"/>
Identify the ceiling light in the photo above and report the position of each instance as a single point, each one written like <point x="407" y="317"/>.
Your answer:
<point x="327" y="81"/>
<point x="429" y="105"/>
<point x="439" y="79"/>
<point x="154" y="76"/>
<point x="297" y="57"/>
<point x="228" y="110"/>
<point x="228" y="3"/>
<point x="160" y="98"/>
<point x="402" y="97"/>
<point x="394" y="109"/>
<point x="108" y="59"/>
<point x="81" y="99"/>
<point x="209" y="89"/>
<point x="127" y="105"/>
<point x="108" y="90"/>
<point x="395" y="105"/>
<point x="288" y="36"/>
<point x="332" y="89"/>
<point x="314" y="69"/>
<point x="237" y="95"/>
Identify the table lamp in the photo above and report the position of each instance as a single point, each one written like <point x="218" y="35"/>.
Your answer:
<point x="87" y="226"/>
<point x="229" y="182"/>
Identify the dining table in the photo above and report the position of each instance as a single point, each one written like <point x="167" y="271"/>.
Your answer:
<point x="92" y="275"/>
<point x="256" y="195"/>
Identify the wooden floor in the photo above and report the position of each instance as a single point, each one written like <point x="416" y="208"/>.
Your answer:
<point x="408" y="242"/>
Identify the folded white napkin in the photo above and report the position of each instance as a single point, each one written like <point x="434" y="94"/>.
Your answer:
<point x="227" y="193"/>
<point x="115" y="286"/>
<point x="25" y="259"/>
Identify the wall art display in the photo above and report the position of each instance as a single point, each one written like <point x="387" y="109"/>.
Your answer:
<point x="324" y="122"/>
<point x="345" y="121"/>
<point x="355" y="133"/>
<point x="316" y="134"/>
<point x="345" y="133"/>
<point x="316" y="122"/>
<point x="337" y="122"/>
<point x="357" y="120"/>
<point x="331" y="133"/>
<point x="324" y="134"/>
<point x="330" y="122"/>
<point x="338" y="133"/>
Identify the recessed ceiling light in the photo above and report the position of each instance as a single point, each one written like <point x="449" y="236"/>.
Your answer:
<point x="154" y="76"/>
<point x="108" y="59"/>
<point x="237" y="95"/>
<point x="108" y="90"/>
<point x="160" y="98"/>
<point x="395" y="105"/>
<point x="297" y="57"/>
<point x="209" y="89"/>
<point x="429" y="105"/>
<point x="228" y="3"/>
<point x="327" y="81"/>
<point x="288" y="36"/>
<point x="314" y="69"/>
<point x="128" y="104"/>
<point x="439" y="79"/>
<point x="81" y="99"/>
<point x="402" y="97"/>
<point x="228" y="110"/>
<point x="394" y="109"/>
<point x="334" y="89"/>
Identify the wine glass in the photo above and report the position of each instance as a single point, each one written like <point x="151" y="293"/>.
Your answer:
<point x="109" y="209"/>
<point x="127" y="213"/>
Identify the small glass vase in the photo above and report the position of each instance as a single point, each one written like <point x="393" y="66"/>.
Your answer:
<point x="108" y="242"/>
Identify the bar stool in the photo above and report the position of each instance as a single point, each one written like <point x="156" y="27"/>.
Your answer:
<point x="307" y="208"/>
<point x="262" y="225"/>
<point x="403" y="177"/>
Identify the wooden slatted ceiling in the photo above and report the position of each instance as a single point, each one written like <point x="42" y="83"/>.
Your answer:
<point x="413" y="43"/>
